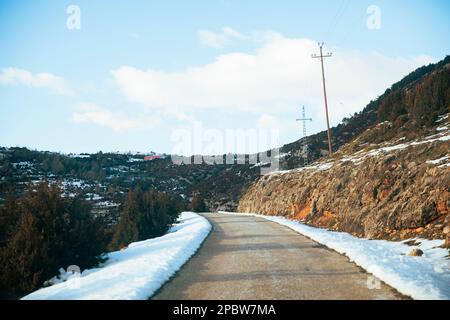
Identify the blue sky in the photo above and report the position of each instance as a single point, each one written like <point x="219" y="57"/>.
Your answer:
<point x="138" y="71"/>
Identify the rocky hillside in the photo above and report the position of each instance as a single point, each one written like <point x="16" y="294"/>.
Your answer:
<point x="412" y="105"/>
<point x="390" y="180"/>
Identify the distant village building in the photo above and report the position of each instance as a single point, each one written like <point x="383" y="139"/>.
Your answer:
<point x="151" y="158"/>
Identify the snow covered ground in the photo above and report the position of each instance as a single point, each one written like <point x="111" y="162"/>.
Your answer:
<point x="137" y="271"/>
<point x="425" y="277"/>
<point x="358" y="157"/>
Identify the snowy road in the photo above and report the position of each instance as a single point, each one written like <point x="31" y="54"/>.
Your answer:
<point x="248" y="257"/>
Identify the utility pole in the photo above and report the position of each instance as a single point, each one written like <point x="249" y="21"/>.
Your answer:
<point x="305" y="139"/>
<point x="321" y="56"/>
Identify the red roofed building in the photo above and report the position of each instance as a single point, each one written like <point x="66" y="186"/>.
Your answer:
<point x="150" y="158"/>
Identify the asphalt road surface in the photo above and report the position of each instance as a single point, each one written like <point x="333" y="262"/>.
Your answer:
<point x="250" y="258"/>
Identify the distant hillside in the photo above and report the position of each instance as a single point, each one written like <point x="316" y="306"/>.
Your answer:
<point x="105" y="178"/>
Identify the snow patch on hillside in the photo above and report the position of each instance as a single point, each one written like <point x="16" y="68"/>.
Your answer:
<point x="361" y="155"/>
<point x="442" y="118"/>
<point x="438" y="161"/>
<point x="135" y="272"/>
<point x="425" y="277"/>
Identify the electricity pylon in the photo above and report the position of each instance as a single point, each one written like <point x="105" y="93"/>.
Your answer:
<point x="305" y="148"/>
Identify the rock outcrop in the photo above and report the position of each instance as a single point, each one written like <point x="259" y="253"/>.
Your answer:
<point x="396" y="191"/>
<point x="389" y="179"/>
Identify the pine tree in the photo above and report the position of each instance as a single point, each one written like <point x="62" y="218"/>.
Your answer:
<point x="145" y="215"/>
<point x="127" y="229"/>
<point x="25" y="260"/>
<point x="52" y="231"/>
<point x="8" y="217"/>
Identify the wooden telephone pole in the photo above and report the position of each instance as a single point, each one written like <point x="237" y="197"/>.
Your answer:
<point x="321" y="56"/>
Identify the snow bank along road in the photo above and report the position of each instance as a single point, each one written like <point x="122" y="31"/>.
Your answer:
<point x="137" y="271"/>
<point x="248" y="257"/>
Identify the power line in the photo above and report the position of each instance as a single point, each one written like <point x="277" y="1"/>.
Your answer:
<point x="336" y="19"/>
<point x="321" y="56"/>
<point x="305" y="149"/>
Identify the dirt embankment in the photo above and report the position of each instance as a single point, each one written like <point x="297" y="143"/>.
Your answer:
<point x="393" y="192"/>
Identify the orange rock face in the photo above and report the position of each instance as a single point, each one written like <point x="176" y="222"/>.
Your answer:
<point x="442" y="203"/>
<point x="300" y="212"/>
<point x="327" y="219"/>
<point x="383" y="194"/>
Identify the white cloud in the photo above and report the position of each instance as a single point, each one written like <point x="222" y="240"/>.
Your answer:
<point x="117" y="121"/>
<point x="269" y="122"/>
<point x="219" y="40"/>
<point x="15" y="76"/>
<point x="278" y="77"/>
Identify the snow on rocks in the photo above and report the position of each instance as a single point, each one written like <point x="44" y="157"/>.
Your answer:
<point x="438" y="161"/>
<point x="361" y="155"/>
<point x="442" y="118"/>
<point x="420" y="277"/>
<point x="136" y="272"/>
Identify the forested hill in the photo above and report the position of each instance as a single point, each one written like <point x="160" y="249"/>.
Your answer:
<point x="105" y="178"/>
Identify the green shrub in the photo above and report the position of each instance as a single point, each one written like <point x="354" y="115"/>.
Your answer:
<point x="145" y="215"/>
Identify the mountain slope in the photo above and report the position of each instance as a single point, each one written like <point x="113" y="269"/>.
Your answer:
<point x="413" y="105"/>
<point x="390" y="177"/>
